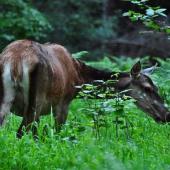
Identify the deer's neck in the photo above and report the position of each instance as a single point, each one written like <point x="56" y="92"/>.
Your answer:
<point x="89" y="74"/>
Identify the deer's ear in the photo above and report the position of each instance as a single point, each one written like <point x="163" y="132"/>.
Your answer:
<point x="135" y="71"/>
<point x="149" y="70"/>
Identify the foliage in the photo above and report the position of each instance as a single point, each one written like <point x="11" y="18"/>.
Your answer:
<point x="149" y="17"/>
<point x="147" y="148"/>
<point x="79" y="54"/>
<point x="20" y="21"/>
<point x="118" y="64"/>
<point x="79" y="25"/>
<point x="104" y="111"/>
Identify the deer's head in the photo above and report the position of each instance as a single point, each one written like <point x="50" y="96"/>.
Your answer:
<point x="146" y="94"/>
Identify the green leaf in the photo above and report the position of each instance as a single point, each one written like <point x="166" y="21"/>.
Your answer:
<point x="126" y="14"/>
<point x="109" y="109"/>
<point x="167" y="31"/>
<point x="157" y="7"/>
<point x="152" y="25"/>
<point x="118" y="112"/>
<point x="102" y="95"/>
<point x="119" y="107"/>
<point x="134" y="18"/>
<point x="87" y="84"/>
<point x="163" y="14"/>
<point x="94" y="113"/>
<point x="81" y="93"/>
<point x="124" y="91"/>
<point x="110" y="95"/>
<point x="160" y="10"/>
<point x="109" y="81"/>
<point x="86" y="91"/>
<point x="150" y="12"/>
<point x="89" y="87"/>
<point x="116" y="74"/>
<point x="98" y="81"/>
<point x="79" y="54"/>
<point x="78" y="87"/>
<point x="144" y="0"/>
<point x="135" y="2"/>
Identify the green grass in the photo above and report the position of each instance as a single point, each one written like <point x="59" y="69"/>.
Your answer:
<point x="147" y="146"/>
<point x="143" y="145"/>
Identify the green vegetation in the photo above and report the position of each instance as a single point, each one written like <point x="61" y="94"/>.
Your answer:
<point x="74" y="24"/>
<point x="79" y="23"/>
<point x="18" y="20"/>
<point x="135" y="141"/>
<point x="149" y="17"/>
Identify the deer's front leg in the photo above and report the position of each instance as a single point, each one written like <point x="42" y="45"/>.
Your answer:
<point x="60" y="115"/>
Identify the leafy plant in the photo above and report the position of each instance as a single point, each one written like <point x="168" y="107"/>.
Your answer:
<point x="79" y="54"/>
<point x="118" y="64"/>
<point x="103" y="111"/>
<point x="149" y="17"/>
<point x="19" y="21"/>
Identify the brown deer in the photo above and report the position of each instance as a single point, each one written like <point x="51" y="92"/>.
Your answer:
<point x="37" y="77"/>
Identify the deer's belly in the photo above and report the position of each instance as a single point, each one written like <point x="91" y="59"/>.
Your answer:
<point x="18" y="108"/>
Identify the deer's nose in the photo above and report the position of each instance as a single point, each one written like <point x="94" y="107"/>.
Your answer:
<point x="167" y="117"/>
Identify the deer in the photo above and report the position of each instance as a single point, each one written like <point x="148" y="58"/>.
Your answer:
<point x="36" y="77"/>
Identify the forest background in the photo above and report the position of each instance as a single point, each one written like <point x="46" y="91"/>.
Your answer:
<point x="96" y="26"/>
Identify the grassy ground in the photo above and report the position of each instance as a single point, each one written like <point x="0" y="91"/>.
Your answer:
<point x="145" y="146"/>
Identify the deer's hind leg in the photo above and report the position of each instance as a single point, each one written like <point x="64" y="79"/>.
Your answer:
<point x="7" y="93"/>
<point x="36" y="98"/>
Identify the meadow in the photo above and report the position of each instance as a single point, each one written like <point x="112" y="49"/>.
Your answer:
<point x="128" y="139"/>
